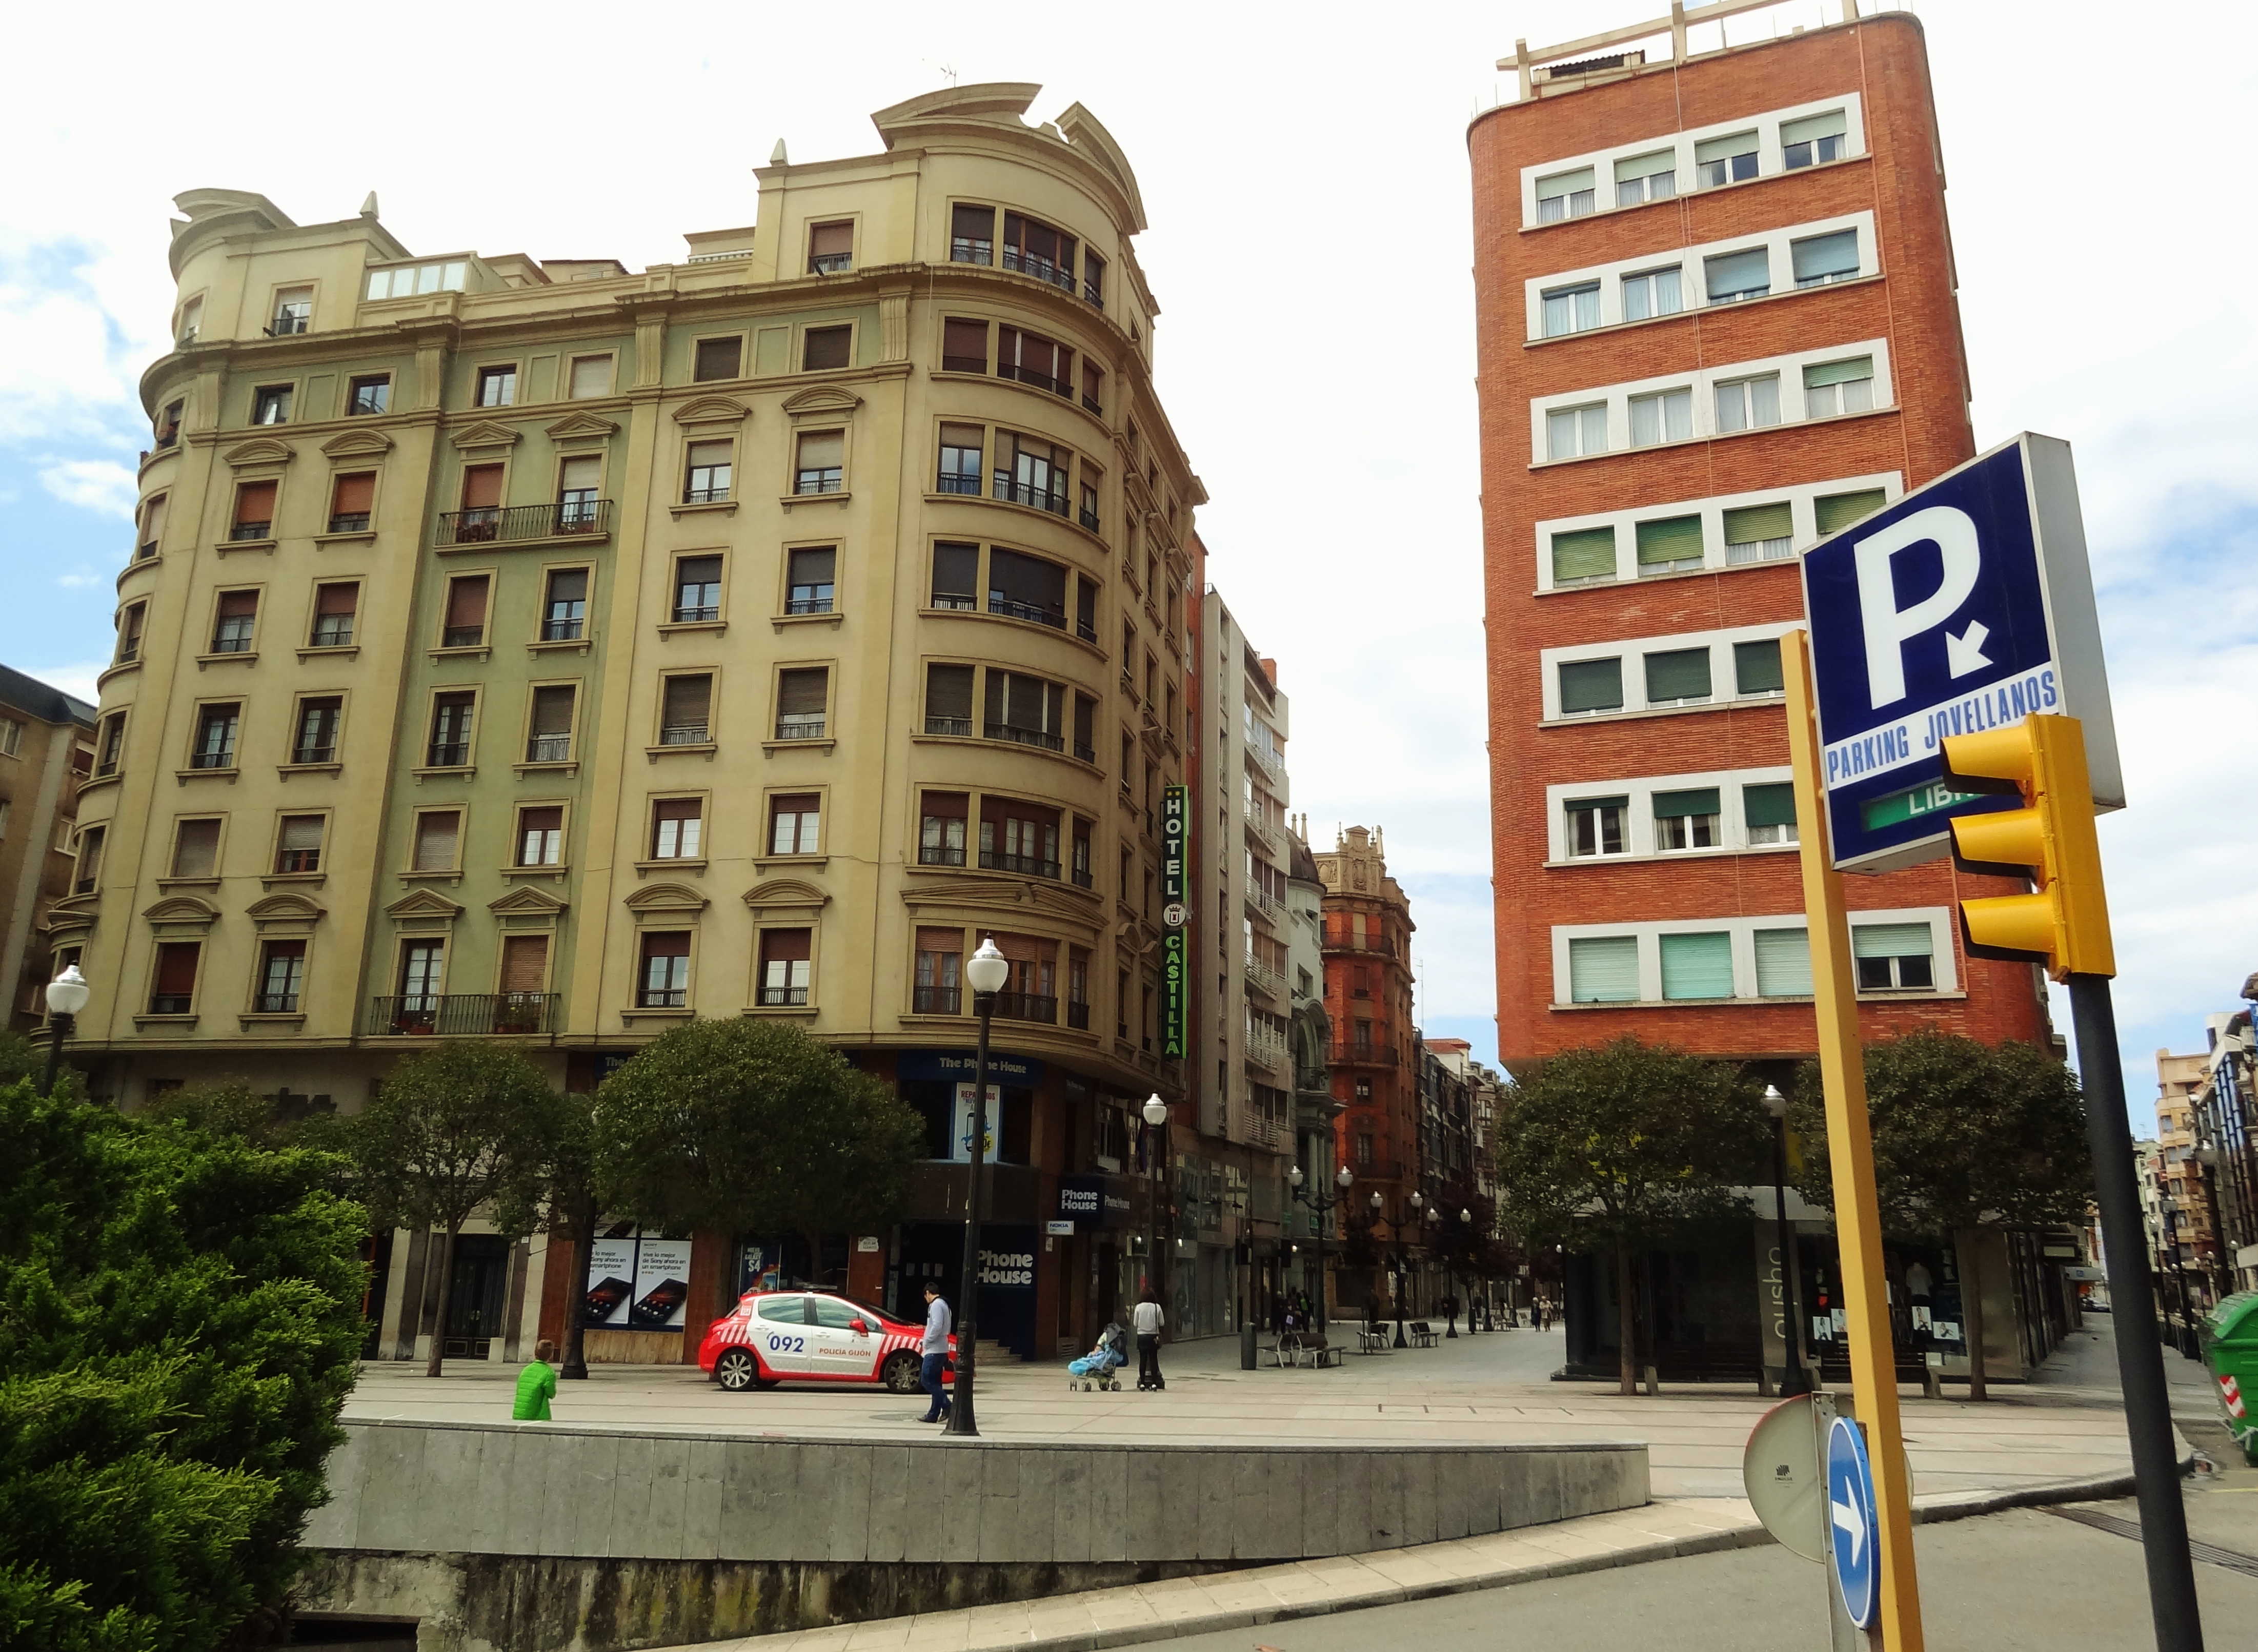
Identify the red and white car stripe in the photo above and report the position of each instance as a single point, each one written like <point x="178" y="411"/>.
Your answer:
<point x="742" y="1328"/>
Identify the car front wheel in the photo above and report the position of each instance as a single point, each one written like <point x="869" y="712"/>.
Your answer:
<point x="901" y="1373"/>
<point x="737" y="1370"/>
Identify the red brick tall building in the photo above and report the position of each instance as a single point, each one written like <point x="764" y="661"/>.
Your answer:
<point x="1717" y="321"/>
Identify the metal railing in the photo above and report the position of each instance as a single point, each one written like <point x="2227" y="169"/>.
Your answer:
<point x="705" y="495"/>
<point x="1264" y="979"/>
<point x="1043" y="269"/>
<point x="250" y="530"/>
<point x="937" y="1000"/>
<point x="782" y="998"/>
<point x="809" y="604"/>
<point x="1027" y="493"/>
<point x="940" y="854"/>
<point x="449" y="753"/>
<point x="830" y="263"/>
<point x="1267" y="1049"/>
<point x="1088" y="518"/>
<point x="824" y="479"/>
<point x="959" y="727"/>
<point x="685" y="734"/>
<point x="947" y="483"/>
<point x="350" y="523"/>
<point x="1025" y="865"/>
<point x="1019" y="736"/>
<point x="800" y="726"/>
<point x="1377" y="945"/>
<point x="461" y="636"/>
<point x="696" y="615"/>
<point x="274" y="1004"/>
<point x="1026" y="1006"/>
<point x="1355" y="1054"/>
<point x="549" y="748"/>
<point x="1013" y="609"/>
<point x="465" y="1015"/>
<point x="499" y="525"/>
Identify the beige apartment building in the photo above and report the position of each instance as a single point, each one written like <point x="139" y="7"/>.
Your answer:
<point x="554" y="652"/>
<point x="47" y="753"/>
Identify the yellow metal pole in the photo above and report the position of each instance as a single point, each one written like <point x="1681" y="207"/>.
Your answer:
<point x="1850" y="1152"/>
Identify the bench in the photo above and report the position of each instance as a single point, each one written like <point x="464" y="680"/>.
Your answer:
<point x="1371" y="1337"/>
<point x="1422" y="1333"/>
<point x="1313" y="1347"/>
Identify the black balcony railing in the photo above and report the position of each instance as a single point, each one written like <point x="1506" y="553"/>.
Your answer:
<point x="350" y="523"/>
<point x="809" y="604"/>
<point x="950" y="483"/>
<point x="937" y="1000"/>
<point x="965" y="249"/>
<point x="288" y="322"/>
<point x="1013" y="609"/>
<point x="494" y="524"/>
<point x="800" y="726"/>
<point x="1040" y="380"/>
<point x="250" y="530"/>
<point x="461" y="636"/>
<point x="313" y="753"/>
<point x="562" y="630"/>
<point x="1088" y="518"/>
<point x="830" y="263"/>
<point x="464" y="1014"/>
<point x="169" y="1003"/>
<point x="549" y="748"/>
<point x="1025" y="865"/>
<point x="219" y="757"/>
<point x="696" y="616"/>
<point x="964" y="363"/>
<point x="1078" y="1016"/>
<point x="1087" y="753"/>
<point x="274" y="1004"/>
<point x="1027" y="493"/>
<point x="147" y="549"/>
<point x="1019" y="736"/>
<point x="1084" y="878"/>
<point x="1086" y="631"/>
<point x="1355" y="1054"/>
<point x="705" y="495"/>
<point x="959" y="727"/>
<point x="1026" y="1006"/>
<point x="1036" y="265"/>
<point x="939" y="854"/>
<point x="449" y="753"/>
<point x="955" y="601"/>
<point x="826" y="479"/>
<point x="782" y="998"/>
<point x="1092" y="403"/>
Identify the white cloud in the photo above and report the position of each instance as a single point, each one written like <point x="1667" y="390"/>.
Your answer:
<point x="95" y="484"/>
<point x="73" y="678"/>
<point x="79" y="581"/>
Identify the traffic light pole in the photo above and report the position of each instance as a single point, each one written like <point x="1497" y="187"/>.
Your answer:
<point x="2139" y="1352"/>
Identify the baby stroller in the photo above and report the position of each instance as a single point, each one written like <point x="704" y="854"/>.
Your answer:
<point x="1097" y="1367"/>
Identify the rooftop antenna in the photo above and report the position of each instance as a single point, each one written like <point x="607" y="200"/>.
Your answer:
<point x="776" y="156"/>
<point x="368" y="207"/>
<point x="950" y="72"/>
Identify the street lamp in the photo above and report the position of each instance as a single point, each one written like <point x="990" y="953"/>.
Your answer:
<point x="1320" y="1207"/>
<point x="1797" y="1377"/>
<point x="1396" y="1226"/>
<point x="66" y="995"/>
<point x="1156" y="1119"/>
<point x="987" y="971"/>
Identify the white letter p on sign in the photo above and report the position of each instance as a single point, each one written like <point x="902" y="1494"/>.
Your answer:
<point x="1888" y="627"/>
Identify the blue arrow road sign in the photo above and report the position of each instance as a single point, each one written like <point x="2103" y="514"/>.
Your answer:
<point x="1850" y="1523"/>
<point x="1964" y="607"/>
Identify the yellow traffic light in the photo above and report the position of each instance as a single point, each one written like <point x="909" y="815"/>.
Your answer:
<point x="2066" y="921"/>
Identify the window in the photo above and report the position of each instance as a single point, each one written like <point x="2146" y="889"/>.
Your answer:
<point x="1571" y="432"/>
<point x="685" y="711"/>
<point x="111" y="745"/>
<point x="1667" y="415"/>
<point x="1603" y="969"/>
<point x="697" y="590"/>
<point x="1585" y="554"/>
<point x="938" y="987"/>
<point x="708" y="480"/>
<point x="1034" y="248"/>
<point x="940" y="829"/>
<point x="578" y="479"/>
<point x="1838" y="386"/>
<point x="1748" y="404"/>
<point x="1028" y="711"/>
<point x="1027" y="588"/>
<point x="1033" y="359"/>
<point x="152" y="528"/>
<point x="174" y="989"/>
<point x="1698" y="966"/>
<point x="1814" y="140"/>
<point x="1018" y="837"/>
<point x="802" y="698"/>
<point x="1646" y="178"/>
<point x="1757" y="668"/>
<point x="590" y="376"/>
<point x="1363" y="1151"/>
<point x="1654" y="293"/>
<point x="1672" y="546"/>
<point x="959" y="458"/>
<point x="1686" y="820"/>
<point x="1080" y="867"/>
<point x="1769" y="811"/>
<point x="949" y="700"/>
<point x="316" y="740"/>
<point x="541" y="836"/>
<point x="235" y="627"/>
<point x="1566" y="194"/>
<point x="168" y="424"/>
<point x="215" y="730"/>
<point x="270" y="404"/>
<point x="1733" y="276"/>
<point x="1571" y="309"/>
<point x="369" y="394"/>
<point x="717" y="358"/>
<point x="1590" y="685"/>
<point x="195" y="849"/>
<point x="1783" y="963"/>
<point x="1678" y="676"/>
<point x="438" y="838"/>
<point x="524" y="977"/>
<point x="87" y="873"/>
<point x="831" y="248"/>
<point x="481" y="514"/>
<point x="451" y="730"/>
<point x="1031" y="472"/>
<point x="1837" y="511"/>
<point x="808" y="586"/>
<point x="549" y="731"/>
<point x="1093" y="278"/>
<point x="1595" y="826"/>
<point x="1093" y="396"/>
<point x="192" y="318"/>
<point x="254" y="512"/>
<point x="665" y="982"/>
<point x="963" y="345"/>
<point x="796" y="824"/>
<point x="11" y="737"/>
<point x="565" y="606"/>
<point x="823" y="349"/>
<point x="1894" y="956"/>
<point x="1722" y="160"/>
<point x="676" y="828"/>
<point x="1825" y="257"/>
<point x="785" y="965"/>
<point x="406" y="282"/>
<point x="822" y="462"/>
<point x="281" y="973"/>
<point x="497" y="387"/>
<point x="297" y="843"/>
<point x="352" y="499"/>
<point x="130" y="625"/>
<point x="972" y="235"/>
<point x="466" y="612"/>
<point x="1759" y="533"/>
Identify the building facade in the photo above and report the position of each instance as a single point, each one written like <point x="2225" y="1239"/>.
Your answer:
<point x="552" y="653"/>
<point x="1314" y="1211"/>
<point x="47" y="753"/>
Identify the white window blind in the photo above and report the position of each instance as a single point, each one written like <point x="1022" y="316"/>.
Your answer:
<point x="592" y="376"/>
<point x="1565" y="195"/>
<point x="1646" y="178"/>
<point x="1838" y="386"/>
<point x="1814" y="139"/>
<point x="1891" y="940"/>
<point x="1697" y="965"/>
<point x="1783" y="963"/>
<point x="1603" y="969"/>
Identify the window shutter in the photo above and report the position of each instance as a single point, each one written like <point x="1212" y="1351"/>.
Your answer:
<point x="707" y="455"/>
<point x="355" y="496"/>
<point x="1697" y="800"/>
<point x="955" y="571"/>
<point x="592" y="376"/>
<point x="1756" y="668"/>
<point x="435" y="836"/>
<point x="940" y="940"/>
<point x="524" y="963"/>
<point x="827" y="347"/>
<point x="1831" y="124"/>
<point x="1824" y="255"/>
<point x="667" y="944"/>
<point x="552" y="710"/>
<point x="1680" y="674"/>
<point x="1642" y="167"/>
<point x="822" y="450"/>
<point x="1838" y="372"/>
<point x="1733" y="273"/>
<point x="301" y="831"/>
<point x="788" y="945"/>
<point x="1697" y="965"/>
<point x="1769" y="804"/>
<point x="1603" y="969"/>
<point x="1674" y="539"/>
<point x="1588" y="553"/>
<point x="1783" y="962"/>
<point x="580" y="475"/>
<point x="718" y="359"/>
<point x="1752" y="524"/>
<point x="1022" y="949"/>
<point x="802" y="693"/>
<point x="826" y="239"/>
<point x="176" y="968"/>
<point x="238" y="605"/>
<point x="677" y="809"/>
<point x="813" y="564"/>
<point x="545" y="819"/>
<point x="687" y="701"/>
<point x="1565" y="183"/>
<point x="569" y="584"/>
<point x="1591" y="686"/>
<point x="482" y="487"/>
<point x="1891" y="940"/>
<point x="254" y="502"/>
<point x="467" y="603"/>
<point x="153" y="520"/>
<point x="973" y="224"/>
<point x="335" y="598"/>
<point x="966" y="341"/>
<point x="1725" y="148"/>
<point x="195" y="848"/>
<point x="948" y="691"/>
<point x="1838" y="511"/>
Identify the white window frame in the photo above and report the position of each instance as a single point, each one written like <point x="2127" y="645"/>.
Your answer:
<point x="1801" y="498"/>
<point x="1724" y="683"/>
<point x="1638" y="826"/>
<point x="1693" y="271"/>
<point x="1942" y="928"/>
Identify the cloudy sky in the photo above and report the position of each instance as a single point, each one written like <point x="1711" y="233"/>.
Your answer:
<point x="1304" y="171"/>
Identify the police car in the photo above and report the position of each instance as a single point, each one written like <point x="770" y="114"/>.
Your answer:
<point x="805" y="1336"/>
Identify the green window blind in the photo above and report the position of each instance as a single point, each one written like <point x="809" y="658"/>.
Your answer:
<point x="1825" y="256"/>
<point x="1589" y="553"/>
<point x="1591" y="686"/>
<point x="1770" y="804"/>
<point x="1697" y="965"/>
<point x="1679" y="675"/>
<point x="1891" y="940"/>
<point x="1811" y="127"/>
<point x="1783" y="962"/>
<point x="1725" y="148"/>
<point x="1668" y="805"/>
<point x="1756" y="668"/>
<point x="1838" y="372"/>
<point x="1838" y="511"/>
<point x="1674" y="539"/>
<point x="1603" y="969"/>
<point x="1647" y="166"/>
<point x="1753" y="522"/>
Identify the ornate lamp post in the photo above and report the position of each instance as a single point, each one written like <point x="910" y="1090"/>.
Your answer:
<point x="1797" y="1378"/>
<point x="987" y="969"/>
<point x="1156" y="1122"/>
<point x="1396" y="1226"/>
<point x="66" y="995"/>
<point x="1320" y="1207"/>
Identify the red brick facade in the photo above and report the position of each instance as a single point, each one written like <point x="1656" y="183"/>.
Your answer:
<point x="1924" y="431"/>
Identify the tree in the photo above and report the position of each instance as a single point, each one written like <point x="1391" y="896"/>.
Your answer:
<point x="180" y="1323"/>
<point x="752" y="1126"/>
<point x="1967" y="1135"/>
<point x="456" y="1127"/>
<point x="573" y="1202"/>
<point x="1607" y="1148"/>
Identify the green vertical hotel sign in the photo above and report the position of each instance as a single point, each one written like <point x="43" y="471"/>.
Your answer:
<point x="1176" y="821"/>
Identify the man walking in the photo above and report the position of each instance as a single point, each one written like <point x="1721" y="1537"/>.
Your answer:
<point x="1148" y="1319"/>
<point x="537" y="1386"/>
<point x="938" y="1320"/>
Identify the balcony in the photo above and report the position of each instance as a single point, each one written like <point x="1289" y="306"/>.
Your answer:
<point x="1010" y="609"/>
<point x="1375" y="945"/>
<point x="1078" y="1016"/>
<point x="937" y="1000"/>
<point x="800" y="605"/>
<point x="497" y="525"/>
<point x="350" y="523"/>
<point x="705" y="495"/>
<point x="448" y="754"/>
<point x="1028" y="493"/>
<point x="1269" y="764"/>
<point x="1260" y="901"/>
<point x="1019" y="736"/>
<point x="1264" y="979"/>
<point x="242" y="531"/>
<point x="830" y="263"/>
<point x="1025" y="865"/>
<point x="1089" y="517"/>
<point x="1043" y="269"/>
<point x="1355" y="1054"/>
<point x="549" y="748"/>
<point x="782" y="998"/>
<point x="1040" y="380"/>
<point x="1270" y="837"/>
<point x="955" y="727"/>
<point x="685" y="734"/>
<point x="800" y="726"/>
<point x="1267" y="1050"/>
<point x="465" y="1015"/>
<point x="1026" y="1006"/>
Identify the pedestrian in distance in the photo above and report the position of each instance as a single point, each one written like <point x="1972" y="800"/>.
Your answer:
<point x="938" y="1322"/>
<point x="1148" y="1319"/>
<point x="537" y="1386"/>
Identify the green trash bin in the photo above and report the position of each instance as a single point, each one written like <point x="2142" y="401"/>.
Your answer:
<point x="2230" y="1353"/>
